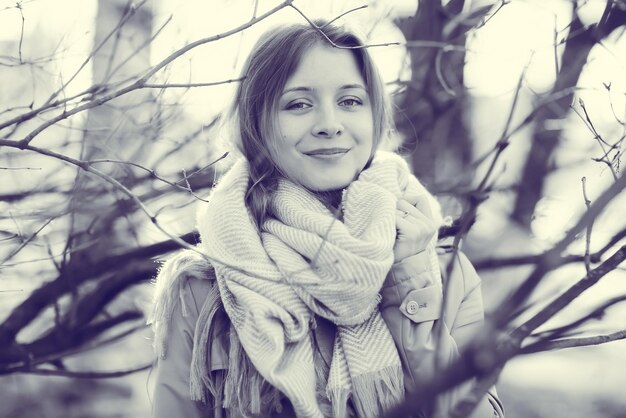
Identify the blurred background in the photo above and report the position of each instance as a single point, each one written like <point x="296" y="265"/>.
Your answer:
<point x="110" y="115"/>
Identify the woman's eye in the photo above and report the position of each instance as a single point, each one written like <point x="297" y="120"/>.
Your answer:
<point x="297" y="106"/>
<point x="350" y="102"/>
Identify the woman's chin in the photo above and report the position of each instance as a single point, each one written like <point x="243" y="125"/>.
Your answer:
<point x="328" y="186"/>
<point x="332" y="180"/>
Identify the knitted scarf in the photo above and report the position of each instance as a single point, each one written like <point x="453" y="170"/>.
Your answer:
<point x="305" y="261"/>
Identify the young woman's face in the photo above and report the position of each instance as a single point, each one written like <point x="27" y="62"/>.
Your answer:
<point x="325" y="121"/>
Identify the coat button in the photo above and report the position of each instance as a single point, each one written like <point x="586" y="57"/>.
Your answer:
<point x="412" y="307"/>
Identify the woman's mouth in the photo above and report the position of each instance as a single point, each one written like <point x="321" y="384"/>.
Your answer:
<point x="327" y="153"/>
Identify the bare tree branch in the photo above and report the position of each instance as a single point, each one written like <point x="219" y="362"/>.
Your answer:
<point x="140" y="82"/>
<point x="491" y="349"/>
<point x="87" y="375"/>
<point x="573" y="327"/>
<point x="573" y="342"/>
<point x="129" y="13"/>
<point x="190" y="85"/>
<point x="25" y="242"/>
<point x="551" y="259"/>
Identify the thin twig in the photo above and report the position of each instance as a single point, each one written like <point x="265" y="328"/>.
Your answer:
<point x="343" y="14"/>
<point x="555" y="49"/>
<point x="26" y="242"/>
<point x="613" y="147"/>
<point x="67" y="113"/>
<point x="491" y="15"/>
<point x="469" y="215"/>
<point x="223" y="35"/>
<point x="551" y="258"/>
<point x="256" y="8"/>
<point x="590" y="123"/>
<point x="142" y="46"/>
<point x="18" y="5"/>
<point x="589" y="227"/>
<point x="116" y="44"/>
<point x="88" y="168"/>
<point x="140" y="82"/>
<point x="573" y="342"/>
<point x="130" y="12"/>
<point x="319" y="29"/>
<point x="201" y="169"/>
<point x="543" y="102"/>
<point x="419" y="43"/>
<point x="573" y="327"/>
<point x="152" y="173"/>
<point x="190" y="85"/>
<point x="503" y="142"/>
<point x="51" y="105"/>
<point x="9" y="238"/>
<point x="607" y="86"/>
<point x="570" y="294"/>
<point x="587" y="120"/>
<point x="186" y="140"/>
<point x="476" y="198"/>
<point x="86" y="375"/>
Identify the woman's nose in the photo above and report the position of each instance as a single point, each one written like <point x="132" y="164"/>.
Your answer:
<point x="327" y="124"/>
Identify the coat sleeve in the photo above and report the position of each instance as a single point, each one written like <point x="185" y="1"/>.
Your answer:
<point x="412" y="299"/>
<point x="171" y="395"/>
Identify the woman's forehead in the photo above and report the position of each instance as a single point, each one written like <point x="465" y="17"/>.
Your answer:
<point x="325" y="66"/>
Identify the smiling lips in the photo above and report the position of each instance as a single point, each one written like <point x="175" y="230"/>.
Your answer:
<point x="327" y="153"/>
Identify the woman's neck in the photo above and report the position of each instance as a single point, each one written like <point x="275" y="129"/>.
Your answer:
<point x="332" y="200"/>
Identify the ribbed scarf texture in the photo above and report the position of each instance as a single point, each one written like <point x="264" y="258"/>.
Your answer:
<point x="303" y="262"/>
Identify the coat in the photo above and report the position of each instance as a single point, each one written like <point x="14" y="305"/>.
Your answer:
<point x="411" y="300"/>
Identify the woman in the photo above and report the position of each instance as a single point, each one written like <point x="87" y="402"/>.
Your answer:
<point x="319" y="285"/>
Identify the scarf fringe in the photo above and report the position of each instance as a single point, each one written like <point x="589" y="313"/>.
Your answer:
<point x="241" y="387"/>
<point x="322" y="370"/>
<point x="200" y="376"/>
<point x="245" y="390"/>
<point x="339" y="401"/>
<point x="169" y="288"/>
<point x="377" y="392"/>
<point x="236" y="379"/>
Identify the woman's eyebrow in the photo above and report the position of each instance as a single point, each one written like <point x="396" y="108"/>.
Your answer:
<point x="297" y="89"/>
<point x="309" y="89"/>
<point x="352" y="86"/>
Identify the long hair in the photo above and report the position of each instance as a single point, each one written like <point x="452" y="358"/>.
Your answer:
<point x="274" y="58"/>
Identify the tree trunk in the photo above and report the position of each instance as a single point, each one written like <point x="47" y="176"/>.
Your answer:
<point x="539" y="162"/>
<point x="430" y="111"/>
<point x="120" y="130"/>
